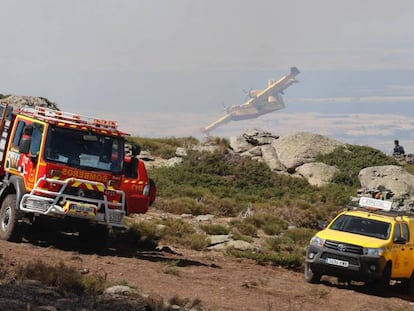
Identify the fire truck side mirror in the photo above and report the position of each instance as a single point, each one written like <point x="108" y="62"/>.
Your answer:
<point x="136" y="150"/>
<point x="24" y="144"/>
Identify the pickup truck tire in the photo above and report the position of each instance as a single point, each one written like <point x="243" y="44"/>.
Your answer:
<point x="9" y="216"/>
<point x="310" y="275"/>
<point x="383" y="283"/>
<point x="408" y="285"/>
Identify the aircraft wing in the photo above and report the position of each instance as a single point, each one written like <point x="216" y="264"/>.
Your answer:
<point x="274" y="89"/>
<point x="262" y="102"/>
<point x="220" y="121"/>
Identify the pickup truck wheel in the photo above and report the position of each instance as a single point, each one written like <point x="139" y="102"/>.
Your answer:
<point x="310" y="275"/>
<point x="9" y="227"/>
<point x="384" y="282"/>
<point x="408" y="285"/>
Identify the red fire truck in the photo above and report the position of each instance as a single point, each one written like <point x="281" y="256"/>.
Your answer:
<point x="68" y="169"/>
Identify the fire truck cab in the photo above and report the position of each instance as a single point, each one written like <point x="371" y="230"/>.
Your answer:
<point x="59" y="165"/>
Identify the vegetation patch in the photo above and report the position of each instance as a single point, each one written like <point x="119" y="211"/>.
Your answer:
<point x="164" y="147"/>
<point x="215" y="229"/>
<point x="64" y="278"/>
<point x="223" y="183"/>
<point x="350" y="159"/>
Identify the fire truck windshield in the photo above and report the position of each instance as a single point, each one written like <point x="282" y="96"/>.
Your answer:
<point x="84" y="150"/>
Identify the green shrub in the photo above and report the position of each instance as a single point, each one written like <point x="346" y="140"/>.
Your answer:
<point x="163" y="147"/>
<point x="186" y="205"/>
<point x="350" y="159"/>
<point x="140" y="234"/>
<point x="66" y="279"/>
<point x="195" y="241"/>
<point x="171" y="267"/>
<point x="281" y="244"/>
<point x="270" y="224"/>
<point x="214" y="229"/>
<point x="300" y="236"/>
<point x="176" y="228"/>
<point x="182" y="233"/>
<point x="239" y="236"/>
<point x="272" y="228"/>
<point x="245" y="228"/>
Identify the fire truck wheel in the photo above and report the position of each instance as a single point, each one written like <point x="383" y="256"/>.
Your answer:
<point x="9" y="227"/>
<point x="153" y="191"/>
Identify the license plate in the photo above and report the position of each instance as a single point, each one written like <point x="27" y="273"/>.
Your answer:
<point x="337" y="262"/>
<point x="80" y="209"/>
<point x="115" y="217"/>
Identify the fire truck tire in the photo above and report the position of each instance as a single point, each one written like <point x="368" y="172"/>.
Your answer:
<point x="153" y="191"/>
<point x="93" y="237"/>
<point x="9" y="216"/>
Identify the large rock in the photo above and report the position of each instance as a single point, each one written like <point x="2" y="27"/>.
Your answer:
<point x="390" y="177"/>
<point x="299" y="148"/>
<point x="258" y="137"/>
<point x="317" y="174"/>
<point x="270" y="157"/>
<point x="31" y="101"/>
<point x="239" y="144"/>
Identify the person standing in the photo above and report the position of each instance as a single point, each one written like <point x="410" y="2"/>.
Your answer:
<point x="398" y="149"/>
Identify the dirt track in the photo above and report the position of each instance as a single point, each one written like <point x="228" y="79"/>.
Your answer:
<point x="220" y="282"/>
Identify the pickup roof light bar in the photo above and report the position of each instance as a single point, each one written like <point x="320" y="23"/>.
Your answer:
<point x="55" y="115"/>
<point x="375" y="204"/>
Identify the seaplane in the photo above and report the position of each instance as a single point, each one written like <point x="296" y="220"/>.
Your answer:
<point x="259" y="102"/>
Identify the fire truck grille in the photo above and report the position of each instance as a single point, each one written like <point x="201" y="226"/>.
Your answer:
<point x="89" y="194"/>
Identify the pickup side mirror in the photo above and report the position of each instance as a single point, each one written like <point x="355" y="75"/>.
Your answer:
<point x="400" y="240"/>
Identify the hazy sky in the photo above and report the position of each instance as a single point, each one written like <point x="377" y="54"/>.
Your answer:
<point x="164" y="68"/>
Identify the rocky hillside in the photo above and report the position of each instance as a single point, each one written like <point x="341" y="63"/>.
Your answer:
<point x="31" y="101"/>
<point x="296" y="155"/>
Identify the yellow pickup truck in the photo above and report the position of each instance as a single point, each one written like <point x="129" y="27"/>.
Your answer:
<point x="371" y="244"/>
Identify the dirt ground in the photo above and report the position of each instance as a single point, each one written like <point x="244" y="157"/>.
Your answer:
<point x="219" y="281"/>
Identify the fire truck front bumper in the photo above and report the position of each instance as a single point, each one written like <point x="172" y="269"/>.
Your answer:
<point x="93" y="211"/>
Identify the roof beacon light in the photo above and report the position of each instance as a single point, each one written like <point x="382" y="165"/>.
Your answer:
<point x="56" y="115"/>
<point x="375" y="204"/>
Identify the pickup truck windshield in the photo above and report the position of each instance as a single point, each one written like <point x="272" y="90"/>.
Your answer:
<point x="362" y="226"/>
<point x="83" y="150"/>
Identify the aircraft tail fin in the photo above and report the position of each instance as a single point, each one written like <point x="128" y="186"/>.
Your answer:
<point x="294" y="71"/>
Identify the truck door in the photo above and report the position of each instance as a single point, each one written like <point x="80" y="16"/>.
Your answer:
<point x="402" y="250"/>
<point x="134" y="183"/>
<point x="23" y="155"/>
